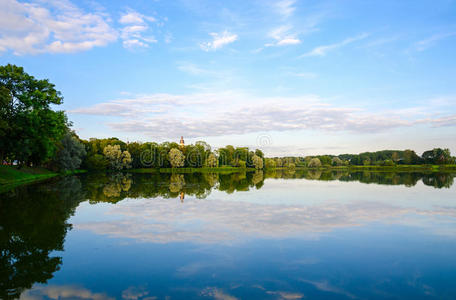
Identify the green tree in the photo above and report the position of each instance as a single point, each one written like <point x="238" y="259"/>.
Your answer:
<point x="212" y="161"/>
<point x="259" y="153"/>
<point x="134" y="149"/>
<point x="438" y="156"/>
<point x="279" y="162"/>
<point x="337" y="161"/>
<point x="411" y="158"/>
<point x="95" y="162"/>
<point x="314" y="163"/>
<point x="395" y="157"/>
<point x="117" y="158"/>
<point x="176" y="158"/>
<point x="257" y="162"/>
<point x="32" y="128"/>
<point x="71" y="152"/>
<point x="269" y="163"/>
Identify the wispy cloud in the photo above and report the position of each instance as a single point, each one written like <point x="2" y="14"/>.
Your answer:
<point x="323" y="50"/>
<point x="193" y="69"/>
<point x="283" y="36"/>
<point x="207" y="114"/>
<point x="232" y="221"/>
<point x="325" y="286"/>
<point x="219" y="40"/>
<point x="136" y="33"/>
<point x="217" y="294"/>
<point x="432" y="40"/>
<point x="62" y="292"/>
<point x="133" y="17"/>
<point x="51" y="27"/>
<point x="285" y="7"/>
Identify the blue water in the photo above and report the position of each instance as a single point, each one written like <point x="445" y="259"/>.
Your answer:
<point x="288" y="239"/>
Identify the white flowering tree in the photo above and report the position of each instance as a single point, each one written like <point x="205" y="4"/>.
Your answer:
<point x="117" y="158"/>
<point x="176" y="158"/>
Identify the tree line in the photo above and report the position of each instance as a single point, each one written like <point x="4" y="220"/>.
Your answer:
<point x="436" y="156"/>
<point x="33" y="134"/>
<point x="166" y="155"/>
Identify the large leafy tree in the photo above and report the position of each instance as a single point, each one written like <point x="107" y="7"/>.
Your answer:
<point x="71" y="152"/>
<point x="257" y="162"/>
<point x="30" y="129"/>
<point x="117" y="158"/>
<point x="176" y="158"/>
<point x="438" y="156"/>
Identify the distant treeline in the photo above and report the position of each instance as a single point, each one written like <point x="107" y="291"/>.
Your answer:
<point x="201" y="155"/>
<point x="436" y="156"/>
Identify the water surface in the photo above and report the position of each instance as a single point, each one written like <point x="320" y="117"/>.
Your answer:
<point x="276" y="235"/>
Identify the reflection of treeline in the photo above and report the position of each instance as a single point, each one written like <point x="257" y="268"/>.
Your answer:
<point x="33" y="224"/>
<point x="115" y="187"/>
<point x="437" y="180"/>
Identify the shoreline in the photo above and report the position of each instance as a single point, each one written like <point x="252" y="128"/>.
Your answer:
<point x="10" y="177"/>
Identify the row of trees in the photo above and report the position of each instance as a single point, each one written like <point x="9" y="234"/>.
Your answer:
<point x="166" y="155"/>
<point x="436" y="156"/>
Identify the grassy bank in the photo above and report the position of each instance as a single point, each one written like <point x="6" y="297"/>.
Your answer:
<point x="192" y="170"/>
<point x="11" y="177"/>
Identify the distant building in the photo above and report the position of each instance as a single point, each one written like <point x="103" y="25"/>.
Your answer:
<point x="182" y="143"/>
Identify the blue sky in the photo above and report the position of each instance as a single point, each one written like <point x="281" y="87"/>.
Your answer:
<point x="290" y="77"/>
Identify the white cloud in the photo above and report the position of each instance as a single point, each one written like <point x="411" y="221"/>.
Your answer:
<point x="62" y="292"/>
<point x="323" y="50"/>
<point x="285" y="7"/>
<point x="288" y="41"/>
<point x="133" y="17"/>
<point x="208" y="114"/>
<point x="325" y="286"/>
<point x="283" y="36"/>
<point x="219" y="40"/>
<point x="51" y="27"/>
<point x="217" y="294"/>
<point x="219" y="221"/>
<point x="432" y="40"/>
<point x="137" y="32"/>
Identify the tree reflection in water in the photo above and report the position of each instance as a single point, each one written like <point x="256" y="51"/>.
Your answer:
<point x="34" y="219"/>
<point x="33" y="223"/>
<point x="113" y="188"/>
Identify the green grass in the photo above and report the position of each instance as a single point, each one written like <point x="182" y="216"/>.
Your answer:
<point x="11" y="176"/>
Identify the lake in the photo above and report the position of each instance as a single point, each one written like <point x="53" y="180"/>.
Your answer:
<point x="275" y="235"/>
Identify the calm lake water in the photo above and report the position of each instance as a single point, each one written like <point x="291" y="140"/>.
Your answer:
<point x="283" y="235"/>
